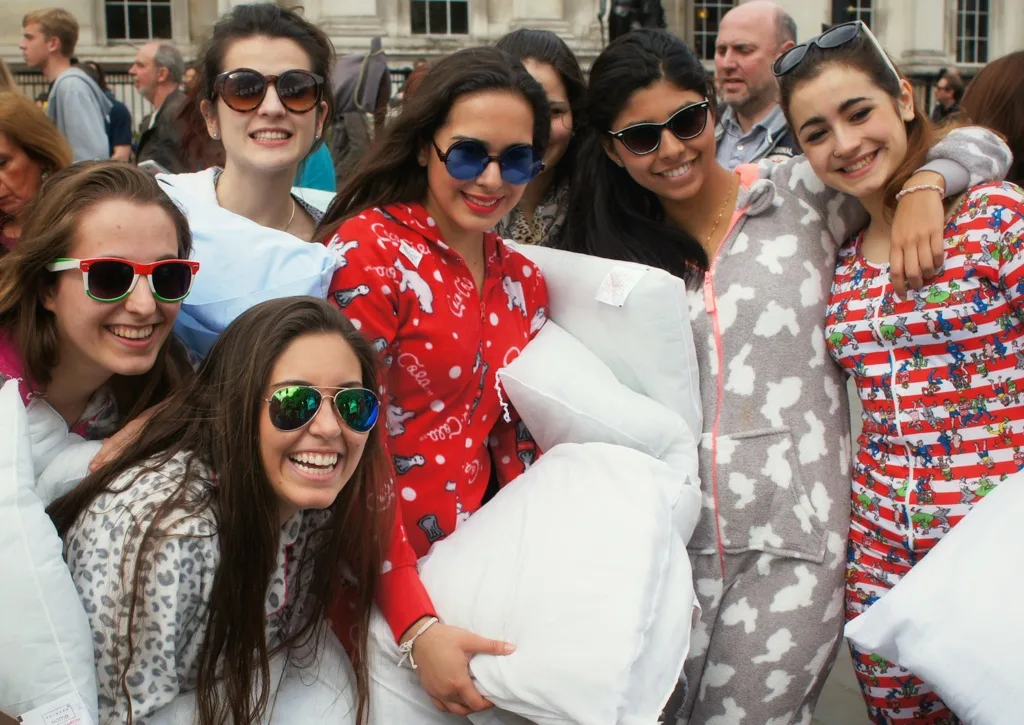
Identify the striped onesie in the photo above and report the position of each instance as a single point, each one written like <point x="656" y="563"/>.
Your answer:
<point x="940" y="377"/>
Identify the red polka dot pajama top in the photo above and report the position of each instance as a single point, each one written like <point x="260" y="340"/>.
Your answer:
<point x="442" y="342"/>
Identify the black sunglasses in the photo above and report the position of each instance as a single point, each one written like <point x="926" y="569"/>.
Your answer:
<point x="467" y="159"/>
<point x="244" y="89"/>
<point x="686" y="123"/>
<point x="831" y="38"/>
<point x="295" y="406"/>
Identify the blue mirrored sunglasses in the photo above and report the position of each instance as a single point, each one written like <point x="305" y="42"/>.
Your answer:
<point x="467" y="159"/>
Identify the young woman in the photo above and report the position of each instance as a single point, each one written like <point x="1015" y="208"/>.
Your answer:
<point x="767" y="564"/>
<point x="446" y="304"/>
<point x="539" y="217"/>
<point x="260" y="92"/>
<point x="31" y="148"/>
<point x="995" y="98"/>
<point x="215" y="540"/>
<point x="89" y="296"/>
<point x="937" y="373"/>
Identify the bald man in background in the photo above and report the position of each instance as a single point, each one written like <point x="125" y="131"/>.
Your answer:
<point x="750" y="37"/>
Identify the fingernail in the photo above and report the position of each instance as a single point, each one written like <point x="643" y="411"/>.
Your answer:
<point x="509" y="648"/>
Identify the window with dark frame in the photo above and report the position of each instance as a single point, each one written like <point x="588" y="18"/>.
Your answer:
<point x="707" y="14"/>
<point x="972" y="18"/>
<point x="439" y="17"/>
<point x="138" y="19"/>
<point x="846" y="11"/>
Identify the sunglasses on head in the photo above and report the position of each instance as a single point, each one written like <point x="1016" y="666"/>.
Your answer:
<point x="467" y="159"/>
<point x="831" y="38"/>
<point x="111" y="280"/>
<point x="644" y="138"/>
<point x="294" y="406"/>
<point x="244" y="89"/>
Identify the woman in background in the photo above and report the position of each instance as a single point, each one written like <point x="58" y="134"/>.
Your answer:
<point x="995" y="98"/>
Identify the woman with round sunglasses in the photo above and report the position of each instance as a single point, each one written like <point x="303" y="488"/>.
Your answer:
<point x="89" y="297"/>
<point x="261" y="93"/>
<point x="758" y="246"/>
<point x="936" y="373"/>
<point x="446" y="304"/>
<point x="539" y="217"/>
<point x="215" y="540"/>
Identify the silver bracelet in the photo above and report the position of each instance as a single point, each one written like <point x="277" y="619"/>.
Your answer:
<point x="406" y="649"/>
<point x="922" y="187"/>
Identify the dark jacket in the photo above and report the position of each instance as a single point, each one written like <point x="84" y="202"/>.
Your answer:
<point x="162" y="143"/>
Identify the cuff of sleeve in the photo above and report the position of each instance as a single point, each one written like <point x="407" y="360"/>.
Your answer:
<point x="403" y="599"/>
<point x="956" y="176"/>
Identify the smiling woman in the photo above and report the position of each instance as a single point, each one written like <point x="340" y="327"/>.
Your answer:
<point x="221" y="530"/>
<point x="89" y="296"/>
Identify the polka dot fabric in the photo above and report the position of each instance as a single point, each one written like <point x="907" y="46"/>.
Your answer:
<point x="442" y="342"/>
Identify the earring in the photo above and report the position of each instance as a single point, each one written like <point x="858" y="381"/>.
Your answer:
<point x="215" y="135"/>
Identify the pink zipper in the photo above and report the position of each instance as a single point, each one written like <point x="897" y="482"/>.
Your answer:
<point x="712" y="309"/>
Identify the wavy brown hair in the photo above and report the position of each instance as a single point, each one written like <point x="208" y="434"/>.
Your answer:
<point x="48" y="233"/>
<point x="391" y="172"/>
<point x="217" y="420"/>
<point x="860" y="54"/>
<point x="995" y="98"/>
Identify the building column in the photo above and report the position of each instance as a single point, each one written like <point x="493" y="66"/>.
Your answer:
<point x="350" y="18"/>
<point x="923" y="47"/>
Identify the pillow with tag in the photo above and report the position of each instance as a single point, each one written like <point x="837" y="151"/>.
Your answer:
<point x="634" y="318"/>
<point x="583" y="542"/>
<point x="44" y="634"/>
<point x="955" y="619"/>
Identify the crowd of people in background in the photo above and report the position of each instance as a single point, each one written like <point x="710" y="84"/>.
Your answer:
<point x="241" y="509"/>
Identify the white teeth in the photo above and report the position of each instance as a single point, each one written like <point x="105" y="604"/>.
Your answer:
<point x="860" y="164"/>
<point x="270" y="135"/>
<point x="676" y="172"/>
<point x="320" y="460"/>
<point x="481" y="202"/>
<point x="131" y="333"/>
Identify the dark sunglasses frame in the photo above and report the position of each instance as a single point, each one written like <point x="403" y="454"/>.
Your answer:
<point x="221" y="82"/>
<point x="486" y="159"/>
<point x="705" y="105"/>
<point x="139" y="269"/>
<point x="832" y="38"/>
<point x="337" y="406"/>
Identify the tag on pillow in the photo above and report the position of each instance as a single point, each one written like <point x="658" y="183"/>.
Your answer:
<point x="617" y="285"/>
<point x="66" y="710"/>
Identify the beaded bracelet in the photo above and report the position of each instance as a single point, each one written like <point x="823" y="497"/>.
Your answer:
<point x="406" y="648"/>
<point x="922" y="187"/>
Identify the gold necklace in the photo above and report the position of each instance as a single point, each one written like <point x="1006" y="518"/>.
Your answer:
<point x="728" y="198"/>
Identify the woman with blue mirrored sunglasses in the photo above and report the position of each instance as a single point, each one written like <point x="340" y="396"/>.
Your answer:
<point x="447" y="304"/>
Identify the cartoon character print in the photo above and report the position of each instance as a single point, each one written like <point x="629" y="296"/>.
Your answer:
<point x="344" y="297"/>
<point x="404" y="464"/>
<point x="411" y="280"/>
<point x="480" y="362"/>
<point x="396" y="420"/>
<point x="431" y="528"/>
<point x="461" y="516"/>
<point x="514" y="291"/>
<point x="341" y="250"/>
<point x="538" y="320"/>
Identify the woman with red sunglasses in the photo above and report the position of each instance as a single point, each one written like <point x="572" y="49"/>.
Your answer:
<point x="446" y="304"/>
<point x="89" y="297"/>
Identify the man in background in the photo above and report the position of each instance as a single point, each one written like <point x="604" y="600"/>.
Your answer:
<point x="158" y="70"/>
<point x="362" y="89"/>
<point x="949" y="89"/>
<point x="75" y="104"/>
<point x="752" y="127"/>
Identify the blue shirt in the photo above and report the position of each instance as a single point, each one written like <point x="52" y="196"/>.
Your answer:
<point x="317" y="171"/>
<point x="736" y="147"/>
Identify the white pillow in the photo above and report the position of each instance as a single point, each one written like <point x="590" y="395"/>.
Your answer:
<point x="44" y="633"/>
<point x="566" y="394"/>
<point x="580" y="565"/>
<point x="61" y="458"/>
<point x="646" y="341"/>
<point x="955" y="619"/>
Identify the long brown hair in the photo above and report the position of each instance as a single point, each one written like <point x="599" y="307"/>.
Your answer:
<point x="995" y="98"/>
<point x="31" y="130"/>
<point x="860" y="54"/>
<point x="217" y="420"/>
<point x="53" y="218"/>
<point x="391" y="172"/>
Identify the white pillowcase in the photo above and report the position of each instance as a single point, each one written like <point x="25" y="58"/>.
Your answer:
<point x="44" y="633"/>
<point x="579" y="564"/>
<point x="566" y="394"/>
<point x="646" y="342"/>
<point x="955" y="619"/>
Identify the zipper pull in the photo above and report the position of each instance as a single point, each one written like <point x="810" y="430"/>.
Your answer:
<point x="709" y="294"/>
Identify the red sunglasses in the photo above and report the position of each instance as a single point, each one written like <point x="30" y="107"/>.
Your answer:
<point x="108" y="279"/>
